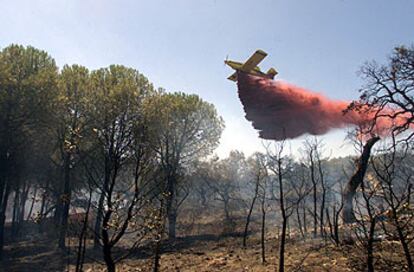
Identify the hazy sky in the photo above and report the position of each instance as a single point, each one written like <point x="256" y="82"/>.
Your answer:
<point x="181" y="45"/>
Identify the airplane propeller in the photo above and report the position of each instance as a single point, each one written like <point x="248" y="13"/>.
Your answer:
<point x="227" y="58"/>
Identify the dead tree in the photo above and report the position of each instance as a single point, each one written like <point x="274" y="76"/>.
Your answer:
<point x="394" y="172"/>
<point x="263" y="225"/>
<point x="366" y="222"/>
<point x="333" y="220"/>
<point x="259" y="173"/>
<point x="356" y="180"/>
<point x="281" y="165"/>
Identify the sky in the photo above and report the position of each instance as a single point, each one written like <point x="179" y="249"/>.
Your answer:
<point x="180" y="45"/>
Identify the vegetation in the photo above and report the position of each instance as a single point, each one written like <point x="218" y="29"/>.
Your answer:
<point x="100" y="169"/>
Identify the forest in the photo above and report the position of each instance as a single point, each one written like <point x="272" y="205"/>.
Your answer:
<point x="102" y="171"/>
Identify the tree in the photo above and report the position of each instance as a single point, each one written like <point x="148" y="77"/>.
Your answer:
<point x="356" y="180"/>
<point x="27" y="86"/>
<point x="388" y="96"/>
<point x="301" y="189"/>
<point x="183" y="128"/>
<point x="393" y="169"/>
<point x="314" y="150"/>
<point x="70" y="129"/>
<point x="388" y="92"/>
<point x="223" y="178"/>
<point x="367" y="220"/>
<point x="279" y="165"/>
<point x="121" y="137"/>
<point x="258" y="172"/>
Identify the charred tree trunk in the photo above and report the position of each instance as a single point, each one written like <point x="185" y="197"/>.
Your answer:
<point x="370" y="245"/>
<point x="16" y="212"/>
<point x="171" y="210"/>
<point x="246" y="227"/>
<point x="22" y="208"/>
<point x="98" y="221"/>
<point x="109" y="261"/>
<point x="172" y="221"/>
<point x="100" y="211"/>
<point x="29" y="215"/>
<point x="305" y="222"/>
<point x="263" y="234"/>
<point x="323" y="196"/>
<point x="106" y="243"/>
<point x="160" y="230"/>
<point x="334" y="223"/>
<point x="157" y="256"/>
<point x="315" y="194"/>
<point x="226" y="201"/>
<point x="403" y="241"/>
<point x="82" y="237"/>
<point x="3" y="208"/>
<point x="65" y="199"/>
<point x="356" y="180"/>
<point x="299" y="221"/>
<point x="43" y="206"/>
<point x="263" y="228"/>
<point x="282" y="238"/>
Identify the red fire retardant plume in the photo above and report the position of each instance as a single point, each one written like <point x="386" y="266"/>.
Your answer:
<point x="280" y="110"/>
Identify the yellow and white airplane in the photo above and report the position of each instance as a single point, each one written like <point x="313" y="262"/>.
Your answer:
<point x="250" y="66"/>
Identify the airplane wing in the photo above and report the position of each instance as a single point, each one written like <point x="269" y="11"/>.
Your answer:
<point x="253" y="61"/>
<point x="233" y="77"/>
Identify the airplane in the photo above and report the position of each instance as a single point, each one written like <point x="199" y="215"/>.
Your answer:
<point x="250" y="66"/>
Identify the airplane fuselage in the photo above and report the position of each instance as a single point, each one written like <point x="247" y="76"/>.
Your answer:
<point x="239" y="66"/>
<point x="250" y="66"/>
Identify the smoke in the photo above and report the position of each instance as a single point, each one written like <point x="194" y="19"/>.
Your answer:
<point x="280" y="110"/>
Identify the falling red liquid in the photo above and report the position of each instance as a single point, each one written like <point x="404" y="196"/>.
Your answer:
<point x="280" y="110"/>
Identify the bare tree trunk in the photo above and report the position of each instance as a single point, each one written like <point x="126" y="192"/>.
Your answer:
<point x="82" y="237"/>
<point x="106" y="240"/>
<point x="65" y="198"/>
<point x="256" y="190"/>
<point x="98" y="221"/>
<point x="3" y="208"/>
<point x="315" y="198"/>
<point x="15" y="217"/>
<point x="322" y="208"/>
<point x="330" y="224"/>
<point x="333" y="223"/>
<point x="282" y="243"/>
<point x="299" y="222"/>
<point x="305" y="225"/>
<point x="157" y="256"/>
<point x="25" y="193"/>
<point x="100" y="212"/>
<point x="109" y="261"/>
<point x="263" y="228"/>
<point x="32" y="205"/>
<point x="404" y="245"/>
<point x="171" y="210"/>
<point x="263" y="235"/>
<point x="172" y="221"/>
<point x="370" y="245"/>
<point x="337" y="214"/>
<point x="22" y="208"/>
<point x="157" y="250"/>
<point x="226" y="201"/>
<point x="356" y="180"/>
<point x="284" y="219"/>
<point x="43" y="206"/>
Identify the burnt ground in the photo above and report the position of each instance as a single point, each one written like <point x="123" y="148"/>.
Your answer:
<point x="204" y="253"/>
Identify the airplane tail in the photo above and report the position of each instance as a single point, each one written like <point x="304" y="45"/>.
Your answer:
<point x="272" y="72"/>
